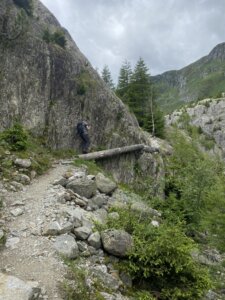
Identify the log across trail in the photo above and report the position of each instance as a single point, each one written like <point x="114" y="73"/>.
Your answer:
<point x="117" y="151"/>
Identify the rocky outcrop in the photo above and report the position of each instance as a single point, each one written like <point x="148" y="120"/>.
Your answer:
<point x="209" y="116"/>
<point x="49" y="88"/>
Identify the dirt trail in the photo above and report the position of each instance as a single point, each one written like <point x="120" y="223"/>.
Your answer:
<point x="27" y="254"/>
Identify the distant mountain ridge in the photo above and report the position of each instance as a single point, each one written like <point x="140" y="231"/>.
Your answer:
<point x="201" y="79"/>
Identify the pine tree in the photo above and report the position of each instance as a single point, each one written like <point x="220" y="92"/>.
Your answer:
<point x="124" y="80"/>
<point x="136" y="90"/>
<point x="139" y="91"/>
<point x="106" y="76"/>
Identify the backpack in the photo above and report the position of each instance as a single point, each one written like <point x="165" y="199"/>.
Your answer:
<point x="80" y="128"/>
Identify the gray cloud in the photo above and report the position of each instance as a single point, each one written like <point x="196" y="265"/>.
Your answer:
<point x="167" y="34"/>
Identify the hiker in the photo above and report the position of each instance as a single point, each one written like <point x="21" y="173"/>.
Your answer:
<point x="82" y="130"/>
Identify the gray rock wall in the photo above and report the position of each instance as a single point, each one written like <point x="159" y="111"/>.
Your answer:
<point x="49" y="89"/>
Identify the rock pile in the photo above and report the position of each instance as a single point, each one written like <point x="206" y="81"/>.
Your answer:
<point x="81" y="201"/>
<point x="63" y="220"/>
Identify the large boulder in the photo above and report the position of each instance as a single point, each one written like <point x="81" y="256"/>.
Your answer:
<point x="116" y="242"/>
<point x="13" y="288"/>
<point x="104" y="184"/>
<point x="84" y="187"/>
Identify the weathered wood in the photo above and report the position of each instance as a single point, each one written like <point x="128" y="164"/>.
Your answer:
<point x="111" y="152"/>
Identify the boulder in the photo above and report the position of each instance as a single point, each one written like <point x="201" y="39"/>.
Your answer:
<point x="24" y="179"/>
<point x="83" y="186"/>
<point x="52" y="228"/>
<point x="95" y="240"/>
<point x="75" y="216"/>
<point x="23" y="163"/>
<point x="13" y="288"/>
<point x="66" y="246"/>
<point x="116" y="242"/>
<point x="104" y="184"/>
<point x="145" y="210"/>
<point x="98" y="201"/>
<point x="108" y="281"/>
<point x="83" y="232"/>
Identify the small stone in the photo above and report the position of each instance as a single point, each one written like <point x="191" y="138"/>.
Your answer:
<point x="155" y="223"/>
<point x="11" y="242"/>
<point x="33" y="174"/>
<point x="17" y="212"/>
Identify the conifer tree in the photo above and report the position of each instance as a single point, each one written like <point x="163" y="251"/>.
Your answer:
<point x="124" y="80"/>
<point x="106" y="76"/>
<point x="139" y="91"/>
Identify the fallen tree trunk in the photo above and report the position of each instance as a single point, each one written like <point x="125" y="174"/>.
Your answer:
<point x="111" y="152"/>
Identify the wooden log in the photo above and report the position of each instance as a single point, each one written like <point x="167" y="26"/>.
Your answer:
<point x="111" y="152"/>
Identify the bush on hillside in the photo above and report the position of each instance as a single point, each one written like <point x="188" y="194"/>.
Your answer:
<point x="15" y="138"/>
<point x="160" y="261"/>
<point x="58" y="37"/>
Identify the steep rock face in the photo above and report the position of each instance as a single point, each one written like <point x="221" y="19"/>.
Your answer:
<point x="201" y="79"/>
<point x="49" y="88"/>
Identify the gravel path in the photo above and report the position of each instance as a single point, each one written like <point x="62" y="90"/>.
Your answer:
<point x="27" y="254"/>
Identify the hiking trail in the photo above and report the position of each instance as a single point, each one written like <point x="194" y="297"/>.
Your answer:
<point x="28" y="255"/>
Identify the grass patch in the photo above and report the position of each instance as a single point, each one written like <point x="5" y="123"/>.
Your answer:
<point x="91" y="166"/>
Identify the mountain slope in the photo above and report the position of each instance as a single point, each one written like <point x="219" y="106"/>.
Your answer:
<point x="201" y="79"/>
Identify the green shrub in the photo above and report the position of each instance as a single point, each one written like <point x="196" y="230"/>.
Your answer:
<point x="58" y="37"/>
<point x="84" y="82"/>
<point x="15" y="138"/>
<point x="160" y="261"/>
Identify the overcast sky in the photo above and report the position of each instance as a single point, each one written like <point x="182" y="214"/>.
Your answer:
<point x="167" y="34"/>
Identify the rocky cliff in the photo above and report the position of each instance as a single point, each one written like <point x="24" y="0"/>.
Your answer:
<point x="48" y="88"/>
<point x="201" y="79"/>
<point x="48" y="85"/>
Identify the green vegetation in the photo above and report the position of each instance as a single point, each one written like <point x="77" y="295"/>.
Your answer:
<point x="160" y="262"/>
<point x="136" y="90"/>
<point x="107" y="77"/>
<point x="58" y="37"/>
<point x="27" y="5"/>
<point x="15" y="138"/>
<point x="84" y="82"/>
<point x="77" y="288"/>
<point x="91" y="166"/>
<point x="202" y="79"/>
<point x="17" y="142"/>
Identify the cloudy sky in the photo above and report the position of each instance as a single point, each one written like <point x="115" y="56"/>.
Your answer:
<point x="167" y="34"/>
